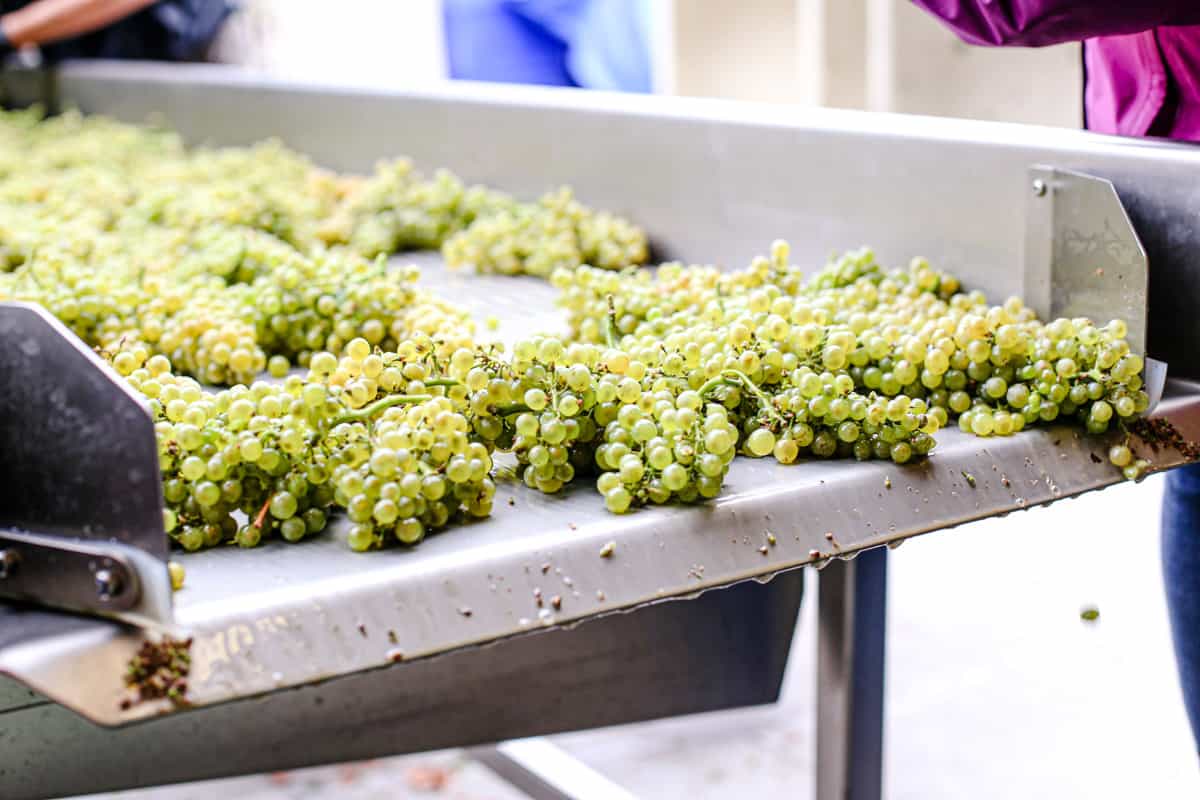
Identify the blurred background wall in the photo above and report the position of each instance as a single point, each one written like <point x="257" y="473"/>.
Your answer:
<point x="883" y="55"/>
<point x="391" y="42"/>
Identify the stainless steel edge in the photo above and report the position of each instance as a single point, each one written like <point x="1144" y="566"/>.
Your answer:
<point x="67" y="573"/>
<point x="621" y="668"/>
<point x="287" y="615"/>
<point x="711" y="180"/>
<point x="80" y="456"/>
<point x="1082" y="256"/>
<point x="78" y="662"/>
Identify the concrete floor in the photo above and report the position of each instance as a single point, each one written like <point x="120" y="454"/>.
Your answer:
<point x="996" y="687"/>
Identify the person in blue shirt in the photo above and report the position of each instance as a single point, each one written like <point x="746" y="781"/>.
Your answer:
<point x="595" y="44"/>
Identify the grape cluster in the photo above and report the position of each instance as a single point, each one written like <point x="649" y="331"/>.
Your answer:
<point x="856" y="360"/>
<point x="397" y="209"/>
<point x="557" y="232"/>
<point x="665" y="447"/>
<point x="232" y="261"/>
<point x="215" y="266"/>
<point x="423" y="471"/>
<point x="238" y="465"/>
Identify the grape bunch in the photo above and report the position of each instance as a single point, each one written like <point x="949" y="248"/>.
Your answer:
<point x="240" y="465"/>
<point x="249" y="462"/>
<point x="555" y="233"/>
<point x="397" y="209"/>
<point x="209" y="267"/>
<point x="856" y="360"/>
<point x="423" y="472"/>
<point x="232" y="261"/>
<point x="665" y="447"/>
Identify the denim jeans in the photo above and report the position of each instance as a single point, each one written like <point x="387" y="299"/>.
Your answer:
<point x="1181" y="576"/>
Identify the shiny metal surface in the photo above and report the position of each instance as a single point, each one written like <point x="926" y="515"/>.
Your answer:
<point x="661" y="661"/>
<point x="1082" y="256"/>
<point x="81" y="493"/>
<point x="66" y="574"/>
<point x="286" y="615"/>
<point x="712" y="181"/>
<point x="851" y="641"/>
<point x="80" y="456"/>
<point x="544" y="771"/>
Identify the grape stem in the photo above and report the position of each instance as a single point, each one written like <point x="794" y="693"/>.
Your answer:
<point x="610" y="323"/>
<point x="733" y="376"/>
<point x="366" y="412"/>
<point x="511" y="408"/>
<point x="441" y="382"/>
<point x="713" y="383"/>
<point x="262" y="513"/>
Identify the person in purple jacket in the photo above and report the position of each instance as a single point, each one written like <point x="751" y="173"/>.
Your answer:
<point x="1142" y="78"/>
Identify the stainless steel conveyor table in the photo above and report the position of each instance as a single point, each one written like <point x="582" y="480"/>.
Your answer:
<point x="312" y="654"/>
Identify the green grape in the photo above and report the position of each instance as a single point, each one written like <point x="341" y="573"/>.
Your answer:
<point x="761" y="442"/>
<point x="213" y="266"/>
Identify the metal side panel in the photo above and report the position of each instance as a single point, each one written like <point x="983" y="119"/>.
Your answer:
<point x="661" y="661"/>
<point x="80" y="458"/>
<point x="81" y="510"/>
<point x="713" y="181"/>
<point x="1082" y="256"/>
<point x="287" y="615"/>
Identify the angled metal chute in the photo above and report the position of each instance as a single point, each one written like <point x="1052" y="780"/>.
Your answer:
<point x="81" y="505"/>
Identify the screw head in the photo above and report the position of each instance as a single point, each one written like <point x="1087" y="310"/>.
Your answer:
<point x="1039" y="187"/>
<point x="108" y="584"/>
<point x="9" y="559"/>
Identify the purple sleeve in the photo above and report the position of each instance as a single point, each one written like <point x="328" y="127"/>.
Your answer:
<point x="1033" y="23"/>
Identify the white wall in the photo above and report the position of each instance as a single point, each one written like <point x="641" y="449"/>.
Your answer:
<point x="748" y="54"/>
<point x="392" y="42"/>
<point x="876" y="54"/>
<point x="933" y="72"/>
<point x="883" y="55"/>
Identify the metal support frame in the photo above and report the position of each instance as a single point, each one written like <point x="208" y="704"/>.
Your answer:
<point x="852" y="610"/>
<point x="545" y="771"/>
<point x="552" y="681"/>
<point x="865" y="176"/>
<point x="851" y="652"/>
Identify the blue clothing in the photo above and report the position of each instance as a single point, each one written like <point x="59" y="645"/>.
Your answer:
<point x="595" y="44"/>
<point x="1181" y="577"/>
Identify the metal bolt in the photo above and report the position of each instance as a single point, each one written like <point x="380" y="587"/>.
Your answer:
<point x="108" y="584"/>
<point x="9" y="559"/>
<point x="1039" y="187"/>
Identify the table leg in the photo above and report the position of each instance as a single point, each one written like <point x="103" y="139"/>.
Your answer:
<point x="852" y="610"/>
<point x="545" y="771"/>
